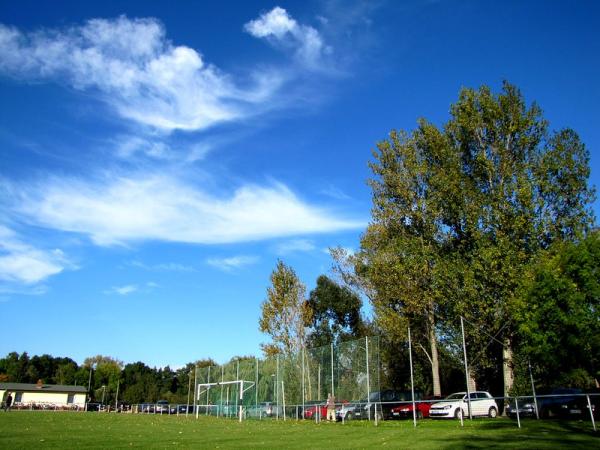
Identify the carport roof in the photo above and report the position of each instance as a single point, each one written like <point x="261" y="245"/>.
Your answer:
<point x="27" y="387"/>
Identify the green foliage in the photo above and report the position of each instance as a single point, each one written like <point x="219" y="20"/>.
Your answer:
<point x="284" y="314"/>
<point x="460" y="214"/>
<point x="559" y="316"/>
<point x="335" y="312"/>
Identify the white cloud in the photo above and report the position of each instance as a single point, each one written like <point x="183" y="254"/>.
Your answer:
<point x="122" y="290"/>
<point x="281" y="29"/>
<point x="136" y="70"/>
<point x="22" y="263"/>
<point x="165" y="208"/>
<point x="163" y="267"/>
<point x="295" y="245"/>
<point x="233" y="262"/>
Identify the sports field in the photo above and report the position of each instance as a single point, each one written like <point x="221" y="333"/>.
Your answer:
<point x="27" y="429"/>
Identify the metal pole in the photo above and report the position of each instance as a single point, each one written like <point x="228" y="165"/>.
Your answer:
<point x="207" y="392"/>
<point x="332" y="388"/>
<point x="537" y="413"/>
<point x="241" y="388"/>
<point x="517" y="408"/>
<point x="117" y="396"/>
<point x="412" y="382"/>
<point x="222" y="379"/>
<point x="319" y="383"/>
<point x="368" y="376"/>
<point x="591" y="412"/>
<point x="195" y="391"/>
<point x="277" y="387"/>
<point x="187" y="406"/>
<point x="462" y="327"/>
<point x="89" y="387"/>
<point x="256" y="385"/>
<point x="283" y="397"/>
<point x="303" y="386"/>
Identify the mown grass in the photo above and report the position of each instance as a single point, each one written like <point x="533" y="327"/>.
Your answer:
<point x="31" y="429"/>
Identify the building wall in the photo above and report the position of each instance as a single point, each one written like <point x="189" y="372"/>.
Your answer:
<point x="57" y="398"/>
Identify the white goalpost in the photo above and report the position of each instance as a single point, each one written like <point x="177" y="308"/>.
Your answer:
<point x="243" y="386"/>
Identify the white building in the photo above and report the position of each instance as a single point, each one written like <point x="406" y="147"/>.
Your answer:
<point x="44" y="395"/>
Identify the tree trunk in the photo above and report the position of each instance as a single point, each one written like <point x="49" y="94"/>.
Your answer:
<point x="507" y="367"/>
<point x="435" y="363"/>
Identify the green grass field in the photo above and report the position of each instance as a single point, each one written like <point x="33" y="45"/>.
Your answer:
<point x="26" y="429"/>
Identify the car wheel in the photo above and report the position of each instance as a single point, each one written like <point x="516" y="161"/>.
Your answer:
<point x="458" y="413"/>
<point x="493" y="413"/>
<point x="419" y="414"/>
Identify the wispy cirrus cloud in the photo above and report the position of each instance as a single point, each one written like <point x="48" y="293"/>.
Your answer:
<point x="122" y="290"/>
<point x="283" y="31"/>
<point x="131" y="288"/>
<point x="132" y="66"/>
<point x="163" y="267"/>
<point x="295" y="245"/>
<point x="24" y="264"/>
<point x="118" y="210"/>
<point x="233" y="262"/>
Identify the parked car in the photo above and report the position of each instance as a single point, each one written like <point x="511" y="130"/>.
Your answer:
<point x="162" y="407"/>
<point x="310" y="411"/>
<point x="526" y="407"/>
<point x="380" y="404"/>
<point x="564" y="403"/>
<point x="482" y="404"/>
<point x="405" y="410"/>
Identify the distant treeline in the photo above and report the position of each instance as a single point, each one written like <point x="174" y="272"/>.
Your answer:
<point x="136" y="382"/>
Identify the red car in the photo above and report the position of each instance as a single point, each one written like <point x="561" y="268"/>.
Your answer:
<point x="309" y="412"/>
<point x="406" y="410"/>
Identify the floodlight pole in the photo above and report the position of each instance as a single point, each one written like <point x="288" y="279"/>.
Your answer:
<point x="412" y="382"/>
<point x="462" y="327"/>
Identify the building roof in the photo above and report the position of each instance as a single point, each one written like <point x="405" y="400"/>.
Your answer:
<point x="27" y="387"/>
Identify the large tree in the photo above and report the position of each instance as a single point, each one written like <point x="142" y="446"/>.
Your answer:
<point x="460" y="213"/>
<point x="559" y="314"/>
<point x="335" y="312"/>
<point x="284" y="313"/>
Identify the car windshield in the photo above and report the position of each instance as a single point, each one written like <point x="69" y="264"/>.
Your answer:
<point x="458" y="396"/>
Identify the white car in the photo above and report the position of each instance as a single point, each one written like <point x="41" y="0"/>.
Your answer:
<point x="482" y="404"/>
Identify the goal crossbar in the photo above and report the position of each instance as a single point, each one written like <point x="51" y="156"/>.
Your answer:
<point x="245" y="385"/>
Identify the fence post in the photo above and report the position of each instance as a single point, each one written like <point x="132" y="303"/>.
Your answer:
<point x="591" y="411"/>
<point x="368" y="376"/>
<point x="517" y="408"/>
<point x="332" y="386"/>
<point x="462" y="327"/>
<point x="412" y="383"/>
<point x="537" y="413"/>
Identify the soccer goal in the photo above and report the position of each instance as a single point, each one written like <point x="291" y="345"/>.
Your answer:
<point x="242" y="385"/>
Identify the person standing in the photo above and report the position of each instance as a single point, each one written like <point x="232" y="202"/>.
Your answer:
<point x="330" y="408"/>
<point x="8" y="402"/>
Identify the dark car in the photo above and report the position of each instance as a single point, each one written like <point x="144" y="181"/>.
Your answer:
<point x="380" y="404"/>
<point x="526" y="407"/>
<point x="563" y="403"/>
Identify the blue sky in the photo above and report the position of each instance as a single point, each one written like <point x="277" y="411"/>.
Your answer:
<point x="157" y="158"/>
